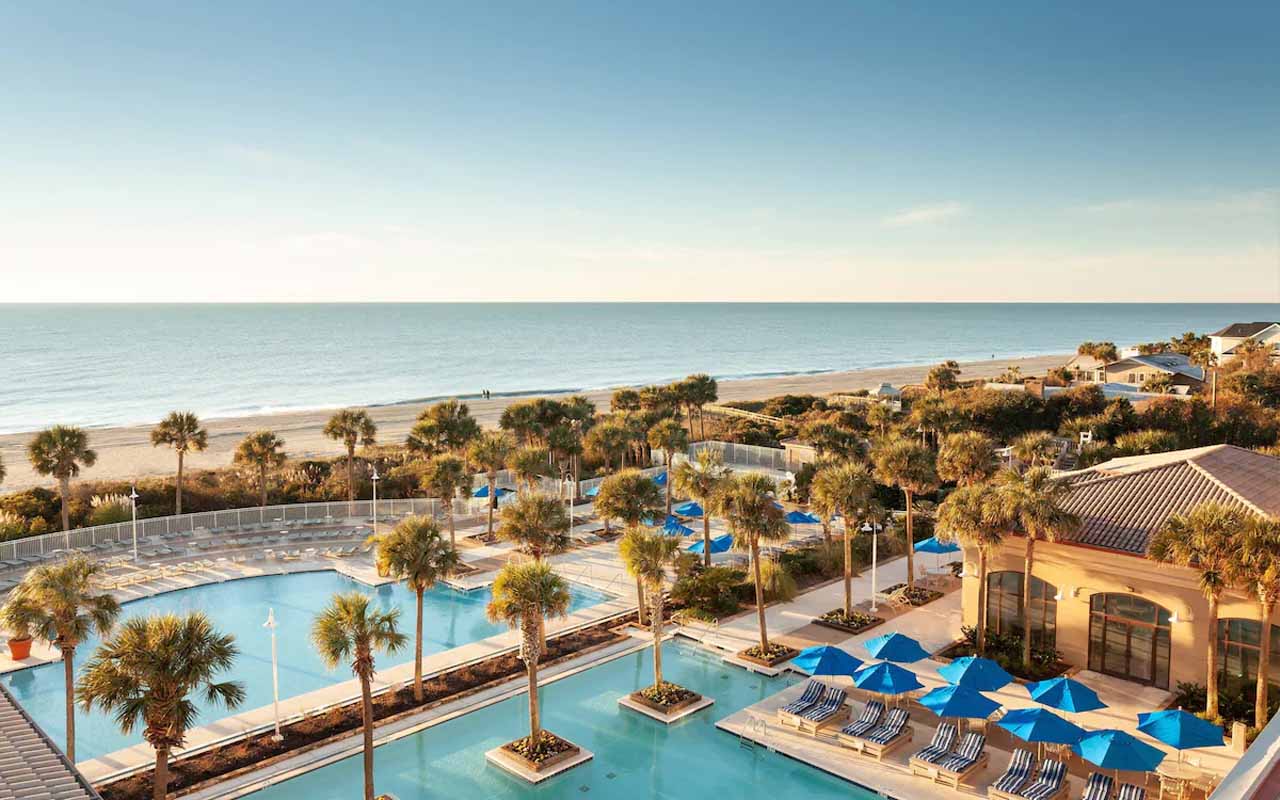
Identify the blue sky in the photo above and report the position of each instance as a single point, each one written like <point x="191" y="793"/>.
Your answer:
<point x="648" y="151"/>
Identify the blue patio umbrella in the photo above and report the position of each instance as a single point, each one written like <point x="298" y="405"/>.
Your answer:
<point x="802" y="518"/>
<point x="933" y="545"/>
<point x="895" y="647"/>
<point x="483" y="491"/>
<point x="660" y="479"/>
<point x="1112" y="749"/>
<point x="719" y="544"/>
<point x="982" y="674"/>
<point x="776" y="504"/>
<point x="886" y="678"/>
<point x="592" y="492"/>
<point x="689" y="509"/>
<point x="1040" y="725"/>
<point x="1065" y="694"/>
<point x="1180" y="730"/>
<point x="959" y="701"/>
<point x="672" y="527"/>
<point x="826" y="660"/>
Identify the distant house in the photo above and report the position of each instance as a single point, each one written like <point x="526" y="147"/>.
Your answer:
<point x="1086" y="369"/>
<point x="885" y="391"/>
<point x="1224" y="342"/>
<point x="1136" y="370"/>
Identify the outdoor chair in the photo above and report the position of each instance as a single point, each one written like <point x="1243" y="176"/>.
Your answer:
<point x="1050" y="784"/>
<point x="870" y="718"/>
<point x="830" y="711"/>
<point x="968" y="758"/>
<point x="1098" y="787"/>
<point x="1021" y="766"/>
<point x="1131" y="791"/>
<point x="943" y="738"/>
<point x="890" y="735"/>
<point x="811" y="696"/>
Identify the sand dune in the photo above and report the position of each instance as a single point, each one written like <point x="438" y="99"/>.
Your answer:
<point x="126" y="452"/>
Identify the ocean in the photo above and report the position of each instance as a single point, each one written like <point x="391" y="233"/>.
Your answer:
<point x="98" y="365"/>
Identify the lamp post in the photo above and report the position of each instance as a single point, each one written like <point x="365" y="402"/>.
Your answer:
<point x="375" y="478"/>
<point x="873" y="529"/>
<point x="133" y="503"/>
<point x="270" y="625"/>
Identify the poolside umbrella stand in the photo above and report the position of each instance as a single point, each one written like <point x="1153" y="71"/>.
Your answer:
<point x="824" y="659"/>
<point x="887" y="679"/>
<point x="1180" y="730"/>
<point x="1040" y="726"/>
<point x="1065" y="694"/>
<point x="978" y="673"/>
<point x="1117" y="750"/>
<point x="672" y="527"/>
<point x="689" y="508"/>
<point x="959" y="701"/>
<point x="895" y="647"/>
<point x="720" y="544"/>
<point x="937" y="547"/>
<point x="802" y="518"/>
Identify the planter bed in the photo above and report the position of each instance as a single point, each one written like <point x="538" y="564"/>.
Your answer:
<point x="781" y="654"/>
<point x="557" y="756"/>
<point x="922" y="596"/>
<point x="688" y="702"/>
<point x="834" y="619"/>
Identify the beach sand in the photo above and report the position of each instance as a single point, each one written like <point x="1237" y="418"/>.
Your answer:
<point x="126" y="452"/>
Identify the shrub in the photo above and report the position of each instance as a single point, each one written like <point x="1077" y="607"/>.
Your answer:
<point x="707" y="591"/>
<point x="778" y="583"/>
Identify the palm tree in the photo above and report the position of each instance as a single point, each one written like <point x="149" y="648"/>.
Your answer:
<point x="702" y="478"/>
<point x="1032" y="503"/>
<point x="446" y="477"/>
<point x="60" y="452"/>
<point x="754" y="517"/>
<point x="182" y="431"/>
<point x="880" y="417"/>
<point x="146" y="671"/>
<point x="579" y="413"/>
<point x="608" y="441"/>
<point x="966" y="458"/>
<point x="489" y="453"/>
<point x="631" y="497"/>
<point x="537" y="524"/>
<point x="1204" y="358"/>
<point x="846" y="488"/>
<point x="1204" y="539"/>
<point x="351" y="628"/>
<point x="647" y="556"/>
<point x="669" y="437"/>
<point x="701" y="389"/>
<point x="261" y="451"/>
<point x="351" y="426"/>
<point x="908" y="465"/>
<point x="523" y="596"/>
<point x="1033" y="449"/>
<point x="930" y="415"/>
<point x="966" y="517"/>
<point x="415" y="553"/>
<point x="446" y="427"/>
<point x="1257" y="564"/>
<point x="57" y="602"/>
<point x="528" y="465"/>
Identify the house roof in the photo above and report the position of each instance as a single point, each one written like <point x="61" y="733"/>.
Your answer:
<point x="1172" y="363"/>
<point x="1123" y="502"/>
<point x="33" y="768"/>
<point x="1244" y="329"/>
<point x="886" y="390"/>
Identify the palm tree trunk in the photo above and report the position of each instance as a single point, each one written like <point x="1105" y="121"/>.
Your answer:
<point x="531" y="669"/>
<point x="656" y="619"/>
<point x="1264" y="665"/>
<point x="177" y="500"/>
<point x="351" y="474"/>
<point x="493" y="489"/>
<point x="982" y="603"/>
<point x="1028" y="562"/>
<point x="366" y="710"/>
<point x="826" y="531"/>
<point x="64" y="488"/>
<point x="1211" y="682"/>
<point x="160" y="784"/>
<point x="764" y="632"/>
<point x="639" y="601"/>
<point x="68" y="677"/>
<point x="417" y="652"/>
<point x="911" y="544"/>
<point x="262" y="483"/>
<point x="706" y="538"/>
<point x="848" y="568"/>
<point x="668" y="486"/>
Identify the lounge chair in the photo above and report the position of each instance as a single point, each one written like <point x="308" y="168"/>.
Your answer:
<point x="1131" y="791"/>
<point x="1050" y="784"/>
<point x="969" y="757"/>
<point x="870" y="718"/>
<point x="943" y="738"/>
<point x="811" y="696"/>
<point x="890" y="735"/>
<point x="830" y="711"/>
<point x="1018" y="775"/>
<point x="1098" y="787"/>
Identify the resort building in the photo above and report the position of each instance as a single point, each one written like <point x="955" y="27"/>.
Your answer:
<point x="1224" y="342"/>
<point x="1102" y="603"/>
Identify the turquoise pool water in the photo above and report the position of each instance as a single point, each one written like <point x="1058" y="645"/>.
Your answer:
<point x="451" y="619"/>
<point x="634" y="756"/>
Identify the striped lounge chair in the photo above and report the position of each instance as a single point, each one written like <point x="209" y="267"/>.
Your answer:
<point x="943" y="738"/>
<point x="811" y="696"/>
<point x="971" y="755"/>
<point x="1098" y="787"/>
<point x="830" y="711"/>
<point x="870" y="718"/>
<point x="891" y="734"/>
<point x="1130" y="791"/>
<point x="1050" y="784"/>
<point x="1018" y="775"/>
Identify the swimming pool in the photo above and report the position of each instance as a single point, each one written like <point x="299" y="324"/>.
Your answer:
<point x="450" y="619"/>
<point x="634" y="755"/>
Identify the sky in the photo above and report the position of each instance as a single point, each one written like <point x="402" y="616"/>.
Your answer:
<point x="799" y="151"/>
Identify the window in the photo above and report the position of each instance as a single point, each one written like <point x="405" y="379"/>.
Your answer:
<point x="1239" y="645"/>
<point x="1129" y="638"/>
<point x="1004" y="608"/>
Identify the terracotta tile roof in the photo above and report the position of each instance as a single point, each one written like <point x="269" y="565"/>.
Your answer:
<point x="31" y="767"/>
<point x="1122" y="502"/>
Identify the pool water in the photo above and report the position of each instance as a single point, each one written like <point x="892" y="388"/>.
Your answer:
<point x="450" y="619"/>
<point x="634" y="756"/>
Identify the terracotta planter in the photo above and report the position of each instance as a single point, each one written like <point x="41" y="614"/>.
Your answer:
<point x="20" y="649"/>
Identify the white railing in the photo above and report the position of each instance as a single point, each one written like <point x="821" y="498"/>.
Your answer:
<point x="748" y="455"/>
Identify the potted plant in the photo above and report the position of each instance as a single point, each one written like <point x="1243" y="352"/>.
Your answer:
<point x="19" y="636"/>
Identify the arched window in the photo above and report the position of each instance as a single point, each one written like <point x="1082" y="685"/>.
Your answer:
<point x="1004" y="608"/>
<point x="1239" y="645"/>
<point x="1129" y="638"/>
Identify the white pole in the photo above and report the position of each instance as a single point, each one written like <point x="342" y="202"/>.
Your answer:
<point x="869" y="527"/>
<point x="375" y="479"/>
<point x="569" y="500"/>
<point x="270" y="625"/>
<point x="133" y="501"/>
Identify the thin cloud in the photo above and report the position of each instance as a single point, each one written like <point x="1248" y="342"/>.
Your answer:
<point x="926" y="214"/>
<point x="1232" y="204"/>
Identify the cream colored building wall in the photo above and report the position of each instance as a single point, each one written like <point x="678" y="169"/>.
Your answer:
<point x="1080" y="572"/>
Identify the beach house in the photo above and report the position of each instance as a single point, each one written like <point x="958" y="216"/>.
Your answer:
<point x="1102" y="603"/>
<point x="1224" y="342"/>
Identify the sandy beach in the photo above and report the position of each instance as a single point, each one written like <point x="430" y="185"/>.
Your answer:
<point x="126" y="452"/>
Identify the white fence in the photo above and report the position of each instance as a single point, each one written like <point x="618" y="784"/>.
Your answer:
<point x="747" y="455"/>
